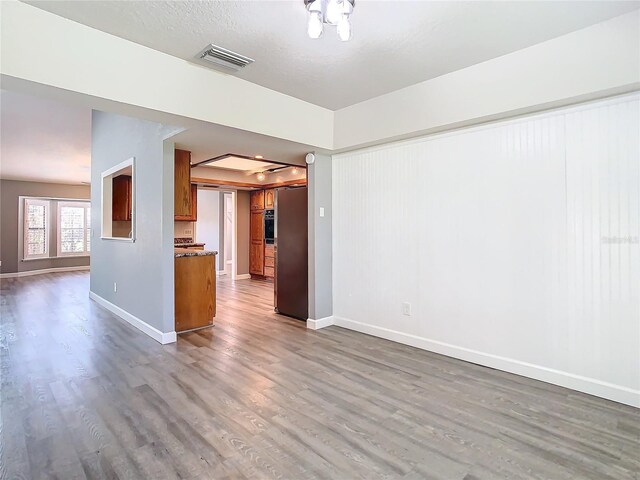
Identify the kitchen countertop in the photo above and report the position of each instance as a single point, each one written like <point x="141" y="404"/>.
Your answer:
<point x="188" y="252"/>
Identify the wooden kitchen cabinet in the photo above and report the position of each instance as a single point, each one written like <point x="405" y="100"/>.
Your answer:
<point x="257" y="226"/>
<point x="269" y="198"/>
<point x="256" y="246"/>
<point x="195" y="292"/>
<point x="256" y="259"/>
<point x="121" y="194"/>
<point x="257" y="200"/>
<point x="193" y="214"/>
<point x="269" y="261"/>
<point x="182" y="194"/>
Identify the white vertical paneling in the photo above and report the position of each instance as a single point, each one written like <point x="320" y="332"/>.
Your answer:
<point x="515" y="243"/>
<point x="602" y="243"/>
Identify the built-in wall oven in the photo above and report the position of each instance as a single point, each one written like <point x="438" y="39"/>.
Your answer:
<point x="269" y="226"/>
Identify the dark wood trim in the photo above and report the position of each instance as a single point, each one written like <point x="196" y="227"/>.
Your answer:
<point x="257" y="186"/>
<point x="223" y="183"/>
<point x="247" y="157"/>
<point x="287" y="183"/>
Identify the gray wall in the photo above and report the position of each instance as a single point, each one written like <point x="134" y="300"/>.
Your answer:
<point x="143" y="270"/>
<point x="242" y="242"/>
<point x="10" y="246"/>
<point x="320" y="251"/>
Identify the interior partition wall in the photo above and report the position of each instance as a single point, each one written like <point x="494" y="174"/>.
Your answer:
<point x="514" y="245"/>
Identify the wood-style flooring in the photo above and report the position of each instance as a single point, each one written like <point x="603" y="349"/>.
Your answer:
<point x="84" y="395"/>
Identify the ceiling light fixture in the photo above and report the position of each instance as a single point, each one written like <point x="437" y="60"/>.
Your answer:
<point x="260" y="176"/>
<point x="294" y="170"/>
<point x="331" y="12"/>
<point x="259" y="157"/>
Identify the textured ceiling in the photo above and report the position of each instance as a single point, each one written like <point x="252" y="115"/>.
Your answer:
<point x="395" y="43"/>
<point x="44" y="140"/>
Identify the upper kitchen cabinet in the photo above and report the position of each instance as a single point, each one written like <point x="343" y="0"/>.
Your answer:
<point x="193" y="214"/>
<point x="121" y="202"/>
<point x="183" y="197"/>
<point x="257" y="200"/>
<point x="269" y="198"/>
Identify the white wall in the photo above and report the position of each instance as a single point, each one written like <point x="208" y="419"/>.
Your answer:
<point x="208" y="224"/>
<point x="515" y="243"/>
<point x="594" y="62"/>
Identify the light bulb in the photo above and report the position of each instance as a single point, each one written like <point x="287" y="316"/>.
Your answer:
<point x="344" y="28"/>
<point x="294" y="170"/>
<point x="334" y="10"/>
<point x="260" y="176"/>
<point x="315" y="24"/>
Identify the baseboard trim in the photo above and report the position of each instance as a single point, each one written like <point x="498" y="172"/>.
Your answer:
<point x="42" y="271"/>
<point x="610" y="391"/>
<point x="244" y="276"/>
<point x="157" y="335"/>
<point x="319" y="323"/>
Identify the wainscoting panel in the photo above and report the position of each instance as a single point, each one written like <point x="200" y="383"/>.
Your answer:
<point x="516" y="240"/>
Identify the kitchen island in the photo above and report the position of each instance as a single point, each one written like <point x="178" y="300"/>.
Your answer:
<point x="195" y="288"/>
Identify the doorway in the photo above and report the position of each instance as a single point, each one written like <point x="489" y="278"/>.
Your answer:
<point x="248" y="248"/>
<point x="228" y="233"/>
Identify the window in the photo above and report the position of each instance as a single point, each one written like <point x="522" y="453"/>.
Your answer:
<point x="68" y="222"/>
<point x="36" y="228"/>
<point x="74" y="228"/>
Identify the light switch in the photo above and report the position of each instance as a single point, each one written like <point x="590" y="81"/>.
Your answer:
<point x="322" y="211"/>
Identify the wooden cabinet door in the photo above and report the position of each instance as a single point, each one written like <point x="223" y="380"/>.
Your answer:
<point x="269" y="198"/>
<point x="257" y="200"/>
<point x="121" y="199"/>
<point x="256" y="258"/>
<point x="182" y="184"/>
<point x="193" y="214"/>
<point x="256" y="245"/>
<point x="257" y="227"/>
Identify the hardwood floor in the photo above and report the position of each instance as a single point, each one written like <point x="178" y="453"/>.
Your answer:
<point x="85" y="395"/>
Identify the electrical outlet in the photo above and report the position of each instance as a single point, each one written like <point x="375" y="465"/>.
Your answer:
<point x="406" y="308"/>
<point x="115" y="287"/>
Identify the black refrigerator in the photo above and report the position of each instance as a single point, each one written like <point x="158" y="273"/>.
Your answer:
<point x="291" y="275"/>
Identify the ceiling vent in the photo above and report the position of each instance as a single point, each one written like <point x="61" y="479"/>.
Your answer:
<point x="224" y="58"/>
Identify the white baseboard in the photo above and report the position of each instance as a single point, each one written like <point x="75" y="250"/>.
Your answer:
<point x="244" y="276"/>
<point x="43" y="271"/>
<point x="157" y="335"/>
<point x="319" y="323"/>
<point x="610" y="391"/>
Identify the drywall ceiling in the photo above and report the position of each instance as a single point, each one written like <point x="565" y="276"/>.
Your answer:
<point x="206" y="140"/>
<point x="240" y="164"/>
<point x="49" y="140"/>
<point x="395" y="43"/>
<point x="44" y="140"/>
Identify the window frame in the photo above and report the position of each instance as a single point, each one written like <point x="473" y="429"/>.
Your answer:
<point x="87" y="228"/>
<point x="46" y="203"/>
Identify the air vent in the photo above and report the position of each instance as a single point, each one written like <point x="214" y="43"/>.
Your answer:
<point x="223" y="57"/>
